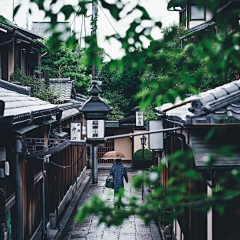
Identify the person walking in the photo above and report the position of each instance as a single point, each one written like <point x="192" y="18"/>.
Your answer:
<point x="118" y="171"/>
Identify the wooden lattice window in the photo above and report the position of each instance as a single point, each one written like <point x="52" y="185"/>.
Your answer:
<point x="109" y="146"/>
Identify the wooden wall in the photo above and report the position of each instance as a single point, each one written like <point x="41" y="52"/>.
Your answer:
<point x="193" y="224"/>
<point x="58" y="181"/>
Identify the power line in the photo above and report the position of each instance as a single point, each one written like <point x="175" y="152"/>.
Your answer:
<point x="85" y="31"/>
<point x="60" y="166"/>
<point x="109" y="21"/>
<point x="72" y="22"/>
<point x="81" y="32"/>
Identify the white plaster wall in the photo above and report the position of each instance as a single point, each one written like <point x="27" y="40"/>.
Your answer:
<point x="11" y="50"/>
<point x="195" y="23"/>
<point x="209" y="16"/>
<point x="124" y="145"/>
<point x="137" y="141"/>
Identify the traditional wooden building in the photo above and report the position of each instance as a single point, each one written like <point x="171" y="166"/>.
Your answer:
<point x="208" y="124"/>
<point x="46" y="168"/>
<point x="18" y="48"/>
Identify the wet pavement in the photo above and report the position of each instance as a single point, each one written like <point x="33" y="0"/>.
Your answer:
<point x="132" y="228"/>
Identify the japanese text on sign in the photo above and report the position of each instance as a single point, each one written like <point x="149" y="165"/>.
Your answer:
<point x="75" y="131"/>
<point x="139" y="119"/>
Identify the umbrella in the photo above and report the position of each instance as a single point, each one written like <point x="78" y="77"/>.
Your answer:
<point x="113" y="155"/>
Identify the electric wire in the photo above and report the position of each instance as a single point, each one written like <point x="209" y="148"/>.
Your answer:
<point x="109" y="21"/>
<point x="78" y="51"/>
<point x="85" y="32"/>
<point x="60" y="166"/>
<point x="80" y="37"/>
<point x="72" y="22"/>
<point x="112" y="25"/>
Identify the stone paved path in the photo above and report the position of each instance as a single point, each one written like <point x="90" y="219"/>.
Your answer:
<point x="132" y="229"/>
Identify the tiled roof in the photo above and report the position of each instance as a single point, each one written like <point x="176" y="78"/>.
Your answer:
<point x="10" y="25"/>
<point x="63" y="87"/>
<point x="14" y="87"/>
<point x="219" y="105"/>
<point x="70" y="109"/>
<point x="205" y="150"/>
<point x="20" y="108"/>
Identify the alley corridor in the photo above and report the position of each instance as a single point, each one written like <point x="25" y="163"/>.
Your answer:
<point x="132" y="229"/>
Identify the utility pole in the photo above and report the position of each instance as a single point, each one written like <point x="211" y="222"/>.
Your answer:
<point x="94" y="39"/>
<point x="94" y="82"/>
<point x="13" y="12"/>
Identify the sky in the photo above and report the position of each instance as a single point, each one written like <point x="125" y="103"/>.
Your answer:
<point x="157" y="9"/>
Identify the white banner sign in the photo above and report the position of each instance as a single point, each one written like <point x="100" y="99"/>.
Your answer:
<point x="95" y="128"/>
<point x="75" y="132"/>
<point x="139" y="119"/>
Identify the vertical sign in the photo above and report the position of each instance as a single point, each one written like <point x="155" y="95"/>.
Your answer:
<point x="155" y="139"/>
<point x="139" y="119"/>
<point x="95" y="128"/>
<point x="75" y="132"/>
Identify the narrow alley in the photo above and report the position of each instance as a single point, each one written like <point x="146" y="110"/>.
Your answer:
<point x="132" y="229"/>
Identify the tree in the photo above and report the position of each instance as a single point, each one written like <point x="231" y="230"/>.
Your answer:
<point x="176" y="76"/>
<point x="120" y="87"/>
<point x="66" y="62"/>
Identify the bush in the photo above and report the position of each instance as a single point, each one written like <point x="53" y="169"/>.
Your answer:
<point x="138" y="158"/>
<point x="38" y="87"/>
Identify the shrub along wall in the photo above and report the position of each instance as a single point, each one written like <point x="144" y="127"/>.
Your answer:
<point x="138" y="160"/>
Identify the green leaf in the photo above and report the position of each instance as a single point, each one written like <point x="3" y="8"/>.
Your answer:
<point x="114" y="10"/>
<point x="67" y="10"/>
<point x="16" y="10"/>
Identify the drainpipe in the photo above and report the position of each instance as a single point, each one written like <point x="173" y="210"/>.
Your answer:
<point x="44" y="231"/>
<point x="94" y="164"/>
<point x="18" y="191"/>
<point x="43" y="201"/>
<point x="182" y="137"/>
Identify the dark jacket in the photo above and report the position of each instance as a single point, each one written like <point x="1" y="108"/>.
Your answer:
<point x="118" y="171"/>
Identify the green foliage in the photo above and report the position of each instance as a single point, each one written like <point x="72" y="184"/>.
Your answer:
<point x="148" y="114"/>
<point x="119" y="87"/>
<point x="166" y="72"/>
<point x="181" y="72"/>
<point x="67" y="63"/>
<point x="38" y="87"/>
<point x="138" y="160"/>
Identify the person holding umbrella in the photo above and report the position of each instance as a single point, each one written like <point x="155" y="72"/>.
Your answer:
<point x="118" y="171"/>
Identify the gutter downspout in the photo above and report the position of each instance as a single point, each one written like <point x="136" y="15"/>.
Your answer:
<point x="183" y="139"/>
<point x="44" y="232"/>
<point x="18" y="191"/>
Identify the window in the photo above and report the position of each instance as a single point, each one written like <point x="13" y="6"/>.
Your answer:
<point x="197" y="13"/>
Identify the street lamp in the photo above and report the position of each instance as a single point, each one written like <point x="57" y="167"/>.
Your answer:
<point x="95" y="111"/>
<point x="143" y="142"/>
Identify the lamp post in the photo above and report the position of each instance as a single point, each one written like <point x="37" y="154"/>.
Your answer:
<point x="143" y="142"/>
<point x="95" y="109"/>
